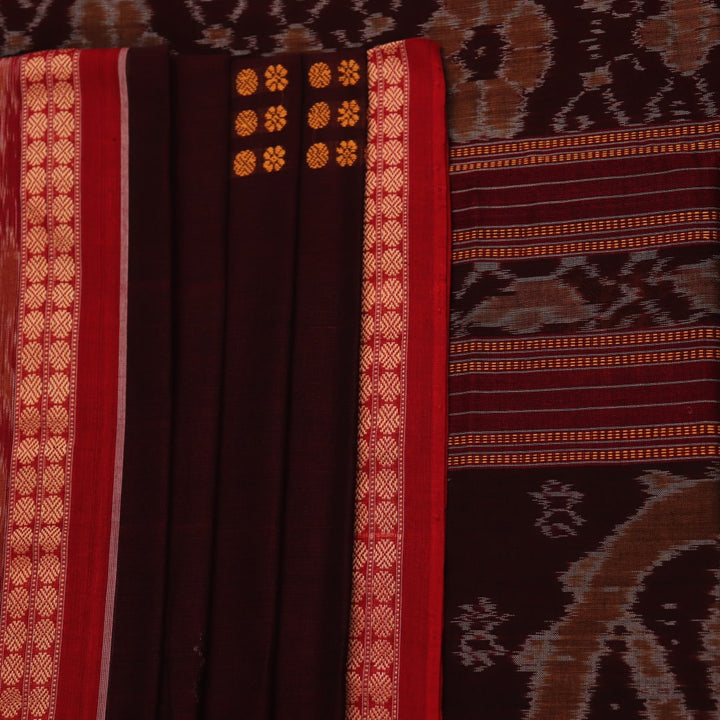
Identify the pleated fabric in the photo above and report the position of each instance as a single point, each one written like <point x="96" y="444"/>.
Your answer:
<point x="284" y="521"/>
<point x="199" y="87"/>
<point x="198" y="266"/>
<point x="141" y="575"/>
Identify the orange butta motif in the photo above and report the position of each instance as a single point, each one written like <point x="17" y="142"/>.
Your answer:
<point x="275" y="118"/>
<point x="244" y="163"/>
<point x="348" y="72"/>
<point x="373" y="658"/>
<point x="317" y="155"/>
<point x="276" y="78"/>
<point x="31" y="620"/>
<point x="348" y="113"/>
<point x="274" y="158"/>
<point x="319" y="75"/>
<point x="246" y="123"/>
<point x="318" y="115"/>
<point x="246" y="82"/>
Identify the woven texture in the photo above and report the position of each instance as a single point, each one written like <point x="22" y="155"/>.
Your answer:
<point x="519" y="67"/>
<point x="584" y="503"/>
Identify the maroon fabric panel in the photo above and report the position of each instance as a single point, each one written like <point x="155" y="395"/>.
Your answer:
<point x="317" y="548"/>
<point x="260" y="269"/>
<point x="200" y="102"/>
<point x="137" y="632"/>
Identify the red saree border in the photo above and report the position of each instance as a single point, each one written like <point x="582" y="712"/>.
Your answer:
<point x="66" y="405"/>
<point x="121" y="384"/>
<point x="396" y="613"/>
<point x="31" y="619"/>
<point x="99" y="405"/>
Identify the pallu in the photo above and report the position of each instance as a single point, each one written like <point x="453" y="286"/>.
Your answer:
<point x="583" y="497"/>
<point x="225" y="292"/>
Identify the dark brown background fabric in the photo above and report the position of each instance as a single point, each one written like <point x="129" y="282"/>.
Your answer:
<point x="199" y="181"/>
<point x="139" y="605"/>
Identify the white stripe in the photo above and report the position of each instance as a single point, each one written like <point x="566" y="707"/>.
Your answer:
<point x="575" y="181"/>
<point x="582" y="387"/>
<point x="525" y="411"/>
<point x="121" y="391"/>
<point x="585" y="199"/>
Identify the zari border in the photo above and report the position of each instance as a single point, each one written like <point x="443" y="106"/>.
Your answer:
<point x="31" y="619"/>
<point x="374" y="653"/>
<point x="396" y="609"/>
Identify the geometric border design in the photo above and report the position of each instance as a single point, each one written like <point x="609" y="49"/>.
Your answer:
<point x="374" y="653"/>
<point x="31" y="617"/>
<point x="575" y="141"/>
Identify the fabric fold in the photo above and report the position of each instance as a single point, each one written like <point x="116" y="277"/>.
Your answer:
<point x="322" y="419"/>
<point x="200" y="201"/>
<point x="141" y="574"/>
<point x="205" y="264"/>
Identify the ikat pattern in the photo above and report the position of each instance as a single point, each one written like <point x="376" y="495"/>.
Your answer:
<point x="36" y="553"/>
<point x="514" y="68"/>
<point x="623" y="613"/>
<point x="373" y="658"/>
<point x="584" y="427"/>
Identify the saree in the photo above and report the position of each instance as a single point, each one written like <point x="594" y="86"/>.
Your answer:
<point x="193" y="317"/>
<point x="583" y="422"/>
<point x="68" y="392"/>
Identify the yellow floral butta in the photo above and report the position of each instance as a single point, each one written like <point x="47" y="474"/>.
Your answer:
<point x="275" y="118"/>
<point x="348" y="113"/>
<point x="346" y="153"/>
<point x="276" y="78"/>
<point x="246" y="82"/>
<point x="348" y="72"/>
<point x="274" y="158"/>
